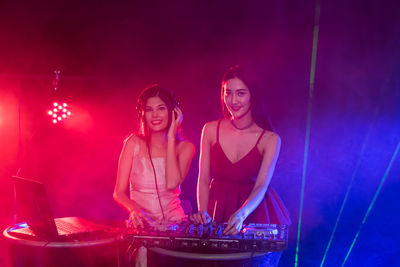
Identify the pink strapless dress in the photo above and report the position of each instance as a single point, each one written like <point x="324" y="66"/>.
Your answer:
<point x="143" y="189"/>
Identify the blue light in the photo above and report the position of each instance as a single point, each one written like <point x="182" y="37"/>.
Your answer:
<point x="372" y="202"/>
<point x="18" y="226"/>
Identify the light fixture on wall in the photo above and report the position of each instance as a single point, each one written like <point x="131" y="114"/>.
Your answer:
<point x="59" y="110"/>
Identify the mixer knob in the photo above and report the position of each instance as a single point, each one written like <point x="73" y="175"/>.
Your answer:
<point x="190" y="229"/>
<point x="206" y="230"/>
<point x="219" y="230"/>
<point x="259" y="235"/>
<point x="214" y="245"/>
<point x="204" y="243"/>
<point x="200" y="230"/>
<point x="249" y="236"/>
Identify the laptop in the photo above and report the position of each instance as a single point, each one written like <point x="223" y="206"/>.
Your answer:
<point x="34" y="207"/>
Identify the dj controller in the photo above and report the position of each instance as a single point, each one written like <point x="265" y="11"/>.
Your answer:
<point x="209" y="237"/>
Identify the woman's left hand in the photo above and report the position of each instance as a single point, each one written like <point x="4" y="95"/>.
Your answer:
<point x="235" y="223"/>
<point x="176" y="120"/>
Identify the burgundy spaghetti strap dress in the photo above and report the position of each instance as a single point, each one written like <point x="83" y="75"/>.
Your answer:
<point x="232" y="183"/>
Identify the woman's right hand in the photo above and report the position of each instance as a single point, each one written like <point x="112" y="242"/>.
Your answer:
<point x="176" y="121"/>
<point x="137" y="218"/>
<point x="201" y="217"/>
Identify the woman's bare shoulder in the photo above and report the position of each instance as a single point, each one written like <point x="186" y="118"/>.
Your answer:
<point x="270" y="138"/>
<point x="211" y="126"/>
<point x="210" y="130"/>
<point x="133" y="139"/>
<point x="185" y="145"/>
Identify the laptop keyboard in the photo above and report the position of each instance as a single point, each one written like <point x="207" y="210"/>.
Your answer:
<point x="64" y="227"/>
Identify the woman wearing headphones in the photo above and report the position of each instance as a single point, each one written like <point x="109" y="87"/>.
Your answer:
<point x="154" y="161"/>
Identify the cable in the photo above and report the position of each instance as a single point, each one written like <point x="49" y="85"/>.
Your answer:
<point x="261" y="258"/>
<point x="155" y="178"/>
<point x="251" y="256"/>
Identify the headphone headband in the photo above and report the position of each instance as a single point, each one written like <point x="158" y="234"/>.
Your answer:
<point x="152" y="91"/>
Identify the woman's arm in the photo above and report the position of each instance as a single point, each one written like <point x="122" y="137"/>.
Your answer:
<point x="271" y="147"/>
<point x="179" y="156"/>
<point x="136" y="215"/>
<point x="203" y="181"/>
<point x="124" y="168"/>
<point x="178" y="162"/>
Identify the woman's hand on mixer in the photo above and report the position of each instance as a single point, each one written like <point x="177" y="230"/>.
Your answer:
<point x="137" y="218"/>
<point x="201" y="217"/>
<point x="235" y="223"/>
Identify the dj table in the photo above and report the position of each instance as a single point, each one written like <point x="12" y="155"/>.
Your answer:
<point x="100" y="250"/>
<point x="183" y="244"/>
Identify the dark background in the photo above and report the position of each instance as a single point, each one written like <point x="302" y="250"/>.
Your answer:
<point x="108" y="51"/>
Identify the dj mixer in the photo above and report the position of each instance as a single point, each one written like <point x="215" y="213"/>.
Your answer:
<point x="210" y="237"/>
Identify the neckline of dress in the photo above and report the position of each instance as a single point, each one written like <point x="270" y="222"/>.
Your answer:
<point x="242" y="158"/>
<point x="146" y="157"/>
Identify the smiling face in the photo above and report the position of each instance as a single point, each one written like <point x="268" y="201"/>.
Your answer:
<point x="236" y="97"/>
<point x="156" y="114"/>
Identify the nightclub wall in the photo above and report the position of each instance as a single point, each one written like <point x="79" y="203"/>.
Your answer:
<point x="338" y="169"/>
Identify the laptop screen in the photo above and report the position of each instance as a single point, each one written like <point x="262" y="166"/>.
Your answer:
<point x="34" y="207"/>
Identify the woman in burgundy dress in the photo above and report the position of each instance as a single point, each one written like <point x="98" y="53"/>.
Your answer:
<point x="239" y="154"/>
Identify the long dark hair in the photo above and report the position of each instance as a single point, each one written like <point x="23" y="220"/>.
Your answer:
<point x="257" y="107"/>
<point x="166" y="95"/>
